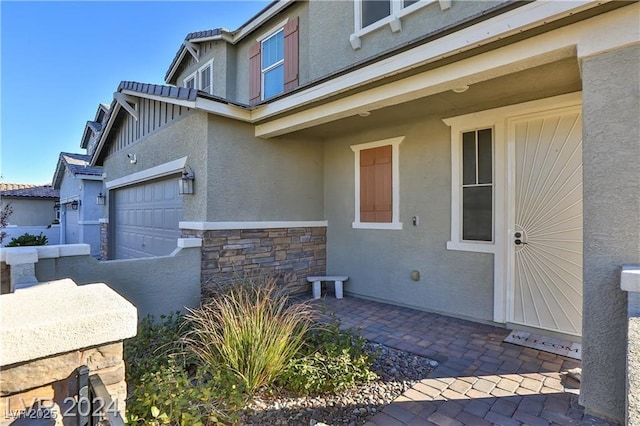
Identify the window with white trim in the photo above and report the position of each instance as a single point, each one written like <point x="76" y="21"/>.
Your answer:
<point x="272" y="67"/>
<point x="205" y="76"/>
<point x="477" y="185"/>
<point x="202" y="79"/>
<point x="190" y="82"/>
<point x="370" y="15"/>
<point x="377" y="191"/>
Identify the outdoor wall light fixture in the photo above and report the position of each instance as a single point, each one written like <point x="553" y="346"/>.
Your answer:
<point x="56" y="207"/>
<point x="132" y="158"/>
<point x="100" y="199"/>
<point x="75" y="204"/>
<point x="185" y="183"/>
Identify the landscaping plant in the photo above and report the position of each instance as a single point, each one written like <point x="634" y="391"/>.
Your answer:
<point x="331" y="360"/>
<point x="27" y="239"/>
<point x="251" y="328"/>
<point x="168" y="389"/>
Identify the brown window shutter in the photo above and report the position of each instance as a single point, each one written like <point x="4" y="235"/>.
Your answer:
<point x="376" y="185"/>
<point x="291" y="53"/>
<point x="254" y="73"/>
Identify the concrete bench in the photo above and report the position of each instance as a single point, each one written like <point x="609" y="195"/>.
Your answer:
<point x="337" y="279"/>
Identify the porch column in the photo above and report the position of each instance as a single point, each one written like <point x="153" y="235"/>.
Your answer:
<point x="611" y="154"/>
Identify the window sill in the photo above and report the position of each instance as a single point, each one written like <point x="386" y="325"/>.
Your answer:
<point x="474" y="247"/>
<point x="376" y="225"/>
<point x="393" y="20"/>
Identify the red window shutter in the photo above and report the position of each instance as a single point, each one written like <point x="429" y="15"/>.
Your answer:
<point x="376" y="185"/>
<point x="255" y="81"/>
<point x="291" y="53"/>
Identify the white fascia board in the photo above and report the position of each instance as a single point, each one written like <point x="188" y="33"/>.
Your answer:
<point x="181" y="102"/>
<point x="158" y="171"/>
<point x="207" y="105"/>
<point x="105" y="132"/>
<point x="223" y="109"/>
<point x="218" y="226"/>
<point x="512" y="22"/>
<point x="89" y="177"/>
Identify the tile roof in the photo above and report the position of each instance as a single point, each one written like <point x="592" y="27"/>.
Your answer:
<point x="173" y="92"/>
<point x="78" y="164"/>
<point x="203" y="34"/>
<point x="28" y="190"/>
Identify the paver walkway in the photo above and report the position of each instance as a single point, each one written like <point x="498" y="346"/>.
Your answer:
<point x="480" y="380"/>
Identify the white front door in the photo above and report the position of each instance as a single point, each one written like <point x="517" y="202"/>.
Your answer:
<point x="545" y="229"/>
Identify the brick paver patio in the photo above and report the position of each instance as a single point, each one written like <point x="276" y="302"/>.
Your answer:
<point x="480" y="380"/>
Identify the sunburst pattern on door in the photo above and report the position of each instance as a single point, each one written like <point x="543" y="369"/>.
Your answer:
<point x="547" y="239"/>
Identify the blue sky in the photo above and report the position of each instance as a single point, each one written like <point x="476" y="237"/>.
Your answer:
<point x="59" y="60"/>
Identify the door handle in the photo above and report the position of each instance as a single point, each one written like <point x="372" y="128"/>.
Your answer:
<point x="519" y="242"/>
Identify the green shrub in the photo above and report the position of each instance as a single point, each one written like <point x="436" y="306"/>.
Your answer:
<point x="27" y="239"/>
<point x="250" y="328"/>
<point x="170" y="396"/>
<point x="331" y="360"/>
<point x="154" y="345"/>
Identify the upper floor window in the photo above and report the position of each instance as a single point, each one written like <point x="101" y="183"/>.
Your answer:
<point x="202" y="79"/>
<point x="375" y="10"/>
<point x="273" y="65"/>
<point x="370" y="15"/>
<point x="273" y="62"/>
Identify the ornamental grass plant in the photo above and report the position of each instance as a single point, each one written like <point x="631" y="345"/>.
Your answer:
<point x="251" y="327"/>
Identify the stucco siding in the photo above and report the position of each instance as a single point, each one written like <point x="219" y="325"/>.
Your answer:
<point x="252" y="179"/>
<point x="156" y="286"/>
<point x="333" y="23"/>
<point x="611" y="89"/>
<point x="185" y="137"/>
<point x="379" y="262"/>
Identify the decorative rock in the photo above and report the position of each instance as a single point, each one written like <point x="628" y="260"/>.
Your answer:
<point x="352" y="407"/>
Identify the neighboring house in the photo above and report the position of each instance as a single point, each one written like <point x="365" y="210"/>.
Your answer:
<point x="82" y="195"/>
<point x="79" y="185"/>
<point x="34" y="210"/>
<point x="490" y="146"/>
<point x="33" y="205"/>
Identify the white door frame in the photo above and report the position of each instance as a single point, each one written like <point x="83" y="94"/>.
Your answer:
<point x="552" y="109"/>
<point x="504" y="203"/>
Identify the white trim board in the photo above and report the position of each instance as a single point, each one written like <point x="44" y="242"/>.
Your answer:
<point x="161" y="170"/>
<point x="218" y="226"/>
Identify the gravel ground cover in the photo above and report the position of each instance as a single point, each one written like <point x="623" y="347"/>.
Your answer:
<point x="397" y="371"/>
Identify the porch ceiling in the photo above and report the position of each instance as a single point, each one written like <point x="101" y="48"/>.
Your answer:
<point x="535" y="83"/>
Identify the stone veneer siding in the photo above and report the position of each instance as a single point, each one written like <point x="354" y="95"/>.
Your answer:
<point x="5" y="278"/>
<point x="290" y="254"/>
<point x="54" y="378"/>
<point x="104" y="241"/>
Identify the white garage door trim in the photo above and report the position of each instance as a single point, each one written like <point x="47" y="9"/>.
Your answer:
<point x="156" y="172"/>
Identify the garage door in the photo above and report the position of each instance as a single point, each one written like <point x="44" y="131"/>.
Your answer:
<point x="146" y="219"/>
<point x="71" y="226"/>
